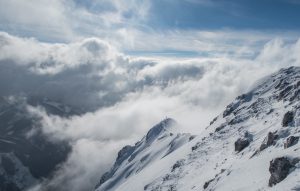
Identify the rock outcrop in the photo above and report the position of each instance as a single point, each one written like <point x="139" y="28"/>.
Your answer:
<point x="279" y="169"/>
<point x="287" y="119"/>
<point x="243" y="142"/>
<point x="291" y="141"/>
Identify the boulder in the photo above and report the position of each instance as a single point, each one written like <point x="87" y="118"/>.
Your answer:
<point x="178" y="164"/>
<point x="287" y="118"/>
<point x="279" y="169"/>
<point x="291" y="141"/>
<point x="243" y="142"/>
<point x="206" y="184"/>
<point x="270" y="140"/>
<point x="220" y="128"/>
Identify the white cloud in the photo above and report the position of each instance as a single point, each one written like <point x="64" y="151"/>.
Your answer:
<point x="122" y="23"/>
<point x="278" y="52"/>
<point x="35" y="18"/>
<point x="125" y="95"/>
<point x="84" y="166"/>
<point x="68" y="20"/>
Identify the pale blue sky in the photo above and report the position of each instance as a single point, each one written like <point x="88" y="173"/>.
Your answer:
<point x="157" y="27"/>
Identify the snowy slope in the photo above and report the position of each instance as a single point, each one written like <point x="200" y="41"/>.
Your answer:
<point x="160" y="141"/>
<point x="252" y="145"/>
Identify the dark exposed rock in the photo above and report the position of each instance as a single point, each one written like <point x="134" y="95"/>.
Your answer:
<point x="103" y="179"/>
<point x="214" y="120"/>
<point x="287" y="118"/>
<point x="272" y="137"/>
<point x="279" y="169"/>
<point x="167" y="177"/>
<point x="297" y="85"/>
<point x="237" y="119"/>
<point x="240" y="144"/>
<point x="295" y="161"/>
<point x="206" y="184"/>
<point x="177" y="165"/>
<point x="295" y="95"/>
<point x="285" y="92"/>
<point x="243" y="142"/>
<point x="270" y="111"/>
<point x="238" y="101"/>
<point x="270" y="140"/>
<point x="216" y="178"/>
<point x="191" y="137"/>
<point x="146" y="187"/>
<point x="172" y="188"/>
<point x="124" y="153"/>
<point x="220" y="128"/>
<point x="292" y="140"/>
<point x="195" y="147"/>
<point x="231" y="107"/>
<point x="245" y="97"/>
<point x="289" y="70"/>
<point x="240" y="109"/>
<point x="279" y="84"/>
<point x="228" y="111"/>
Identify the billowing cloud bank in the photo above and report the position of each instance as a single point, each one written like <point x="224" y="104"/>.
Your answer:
<point x="122" y="96"/>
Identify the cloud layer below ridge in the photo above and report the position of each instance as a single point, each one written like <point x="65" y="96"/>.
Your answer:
<point x="122" y="96"/>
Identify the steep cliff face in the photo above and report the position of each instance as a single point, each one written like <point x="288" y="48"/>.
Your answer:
<point x="252" y="145"/>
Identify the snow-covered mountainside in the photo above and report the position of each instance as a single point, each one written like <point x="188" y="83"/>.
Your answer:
<point x="252" y="145"/>
<point x="160" y="141"/>
<point x="26" y="155"/>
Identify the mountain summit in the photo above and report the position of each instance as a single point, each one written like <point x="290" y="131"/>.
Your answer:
<point x="160" y="141"/>
<point x="252" y="145"/>
<point x="162" y="127"/>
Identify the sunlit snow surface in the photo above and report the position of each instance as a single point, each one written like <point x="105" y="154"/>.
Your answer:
<point x="211" y="155"/>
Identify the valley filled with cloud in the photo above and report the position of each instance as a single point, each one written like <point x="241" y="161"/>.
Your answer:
<point x="123" y="73"/>
<point x="121" y="96"/>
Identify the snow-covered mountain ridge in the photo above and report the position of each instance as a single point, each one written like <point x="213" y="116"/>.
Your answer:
<point x="252" y="145"/>
<point x="160" y="141"/>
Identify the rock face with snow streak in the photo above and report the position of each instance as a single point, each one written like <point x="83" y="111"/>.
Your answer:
<point x="269" y="113"/>
<point x="279" y="169"/>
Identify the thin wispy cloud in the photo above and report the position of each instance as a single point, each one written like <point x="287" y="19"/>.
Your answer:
<point x="67" y="20"/>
